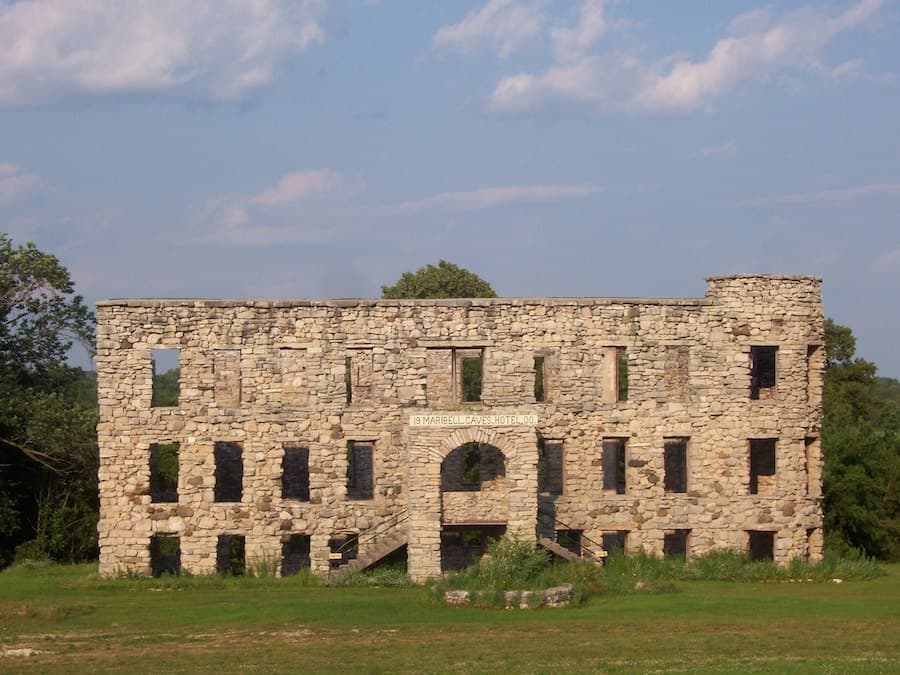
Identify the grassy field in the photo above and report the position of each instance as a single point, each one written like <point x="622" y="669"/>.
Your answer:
<point x="76" y="622"/>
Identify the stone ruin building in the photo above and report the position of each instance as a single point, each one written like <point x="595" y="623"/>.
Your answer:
<point x="310" y="433"/>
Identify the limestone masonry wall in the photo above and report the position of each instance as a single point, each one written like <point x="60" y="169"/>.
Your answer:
<point x="340" y="377"/>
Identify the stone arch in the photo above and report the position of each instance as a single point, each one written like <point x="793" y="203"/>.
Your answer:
<point x="461" y="473"/>
<point x="428" y="447"/>
<point x="464" y="435"/>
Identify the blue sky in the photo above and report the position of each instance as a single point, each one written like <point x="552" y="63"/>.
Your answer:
<point x="316" y="148"/>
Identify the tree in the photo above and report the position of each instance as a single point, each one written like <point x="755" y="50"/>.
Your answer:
<point x="446" y="280"/>
<point x="48" y="452"/>
<point x="861" y="447"/>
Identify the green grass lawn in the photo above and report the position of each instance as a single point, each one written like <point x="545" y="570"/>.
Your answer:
<point x="80" y="623"/>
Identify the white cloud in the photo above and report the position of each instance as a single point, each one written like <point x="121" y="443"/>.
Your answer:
<point x="15" y="183"/>
<point x="208" y="49"/>
<point x="505" y="25"/>
<point x="609" y="84"/>
<point x="486" y="198"/>
<point x="231" y="214"/>
<point x="299" y="185"/>
<point x="887" y="261"/>
<point x="870" y="191"/>
<point x="571" y="44"/>
<point x="727" y="149"/>
<point x="754" y="21"/>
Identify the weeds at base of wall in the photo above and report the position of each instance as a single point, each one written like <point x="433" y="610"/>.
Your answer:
<point x="386" y="576"/>
<point x="512" y="564"/>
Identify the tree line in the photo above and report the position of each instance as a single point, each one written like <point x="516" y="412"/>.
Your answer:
<point x="48" y="413"/>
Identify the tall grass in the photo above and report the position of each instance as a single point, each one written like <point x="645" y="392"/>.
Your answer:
<point x="512" y="564"/>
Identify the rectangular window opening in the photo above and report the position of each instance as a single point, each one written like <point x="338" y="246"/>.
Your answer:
<point x="613" y="461"/>
<point x="229" y="472"/>
<point x="675" y="461"/>
<point x="227" y="373"/>
<point x="292" y="366"/>
<point x="550" y="466"/>
<point x="294" y="554"/>
<point x="762" y="371"/>
<point x="231" y="559"/>
<point x="360" y="470"/>
<point x="166" y="377"/>
<point x="348" y="379"/>
<point x="761" y="545"/>
<point x="539" y="392"/>
<point x="359" y="375"/>
<point x="164" y="472"/>
<point x="165" y="554"/>
<point x="675" y="372"/>
<point x="621" y="374"/>
<point x="471" y="378"/>
<point x="295" y="473"/>
<point x="762" y="466"/>
<point x="675" y="543"/>
<point x="813" y="450"/>
<point x="815" y="364"/>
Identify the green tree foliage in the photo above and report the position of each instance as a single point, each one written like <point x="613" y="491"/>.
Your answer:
<point x="48" y="451"/>
<point x="166" y="389"/>
<point x="445" y="280"/>
<point x="861" y="445"/>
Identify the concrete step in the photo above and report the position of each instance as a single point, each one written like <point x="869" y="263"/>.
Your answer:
<point x="566" y="554"/>
<point x="370" y="555"/>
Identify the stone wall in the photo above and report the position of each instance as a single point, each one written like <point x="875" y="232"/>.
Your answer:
<point x="268" y="374"/>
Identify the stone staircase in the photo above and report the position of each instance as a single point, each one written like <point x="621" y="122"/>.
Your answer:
<point x="590" y="550"/>
<point x="379" y="549"/>
<point x="369" y="546"/>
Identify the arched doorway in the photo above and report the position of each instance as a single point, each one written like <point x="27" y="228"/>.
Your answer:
<point x="474" y="502"/>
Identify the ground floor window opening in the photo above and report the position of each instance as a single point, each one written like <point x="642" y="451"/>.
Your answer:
<point x="462" y="545"/>
<point x="165" y="554"/>
<point x="294" y="554"/>
<point x="231" y="559"/>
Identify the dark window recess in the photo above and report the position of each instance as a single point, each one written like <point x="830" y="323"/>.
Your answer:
<point x="360" y="470"/>
<point x="295" y="473"/>
<point x="570" y="540"/>
<point x="539" y="378"/>
<point x="613" y="461"/>
<point x="471" y="379"/>
<point x="166" y="375"/>
<point x="471" y="473"/>
<point x="622" y="374"/>
<point x="550" y="467"/>
<point x="675" y="455"/>
<point x="348" y="378"/>
<point x="164" y="472"/>
<point x="165" y="555"/>
<point x="462" y="545"/>
<point x="294" y="554"/>
<point x="229" y="472"/>
<point x="762" y="369"/>
<point x="614" y="542"/>
<point x="231" y="559"/>
<point x="761" y="545"/>
<point x="675" y="543"/>
<point x="762" y="461"/>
